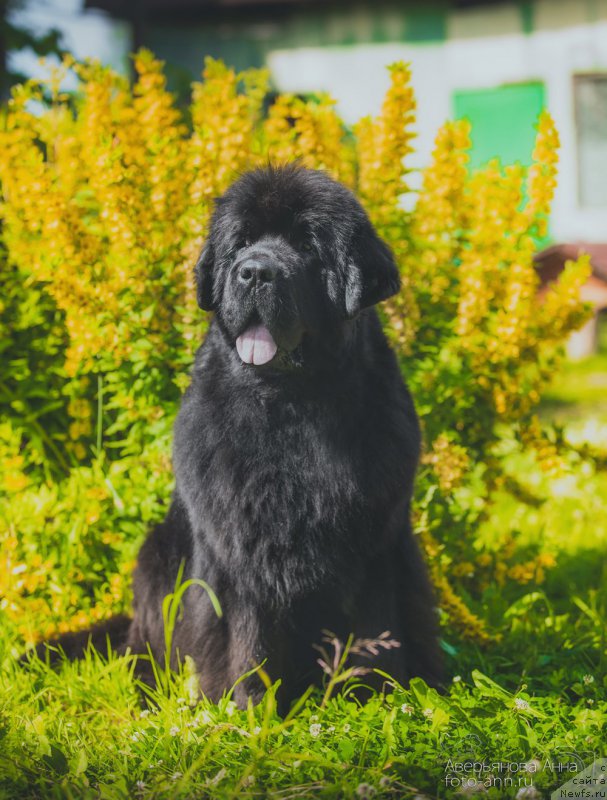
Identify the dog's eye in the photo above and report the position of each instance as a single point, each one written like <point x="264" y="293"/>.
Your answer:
<point x="307" y="247"/>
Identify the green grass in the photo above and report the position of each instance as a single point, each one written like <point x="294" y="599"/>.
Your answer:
<point x="536" y="696"/>
<point x="522" y="710"/>
<point x="84" y="732"/>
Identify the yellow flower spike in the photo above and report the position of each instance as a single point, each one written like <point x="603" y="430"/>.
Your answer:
<point x="437" y="210"/>
<point x="383" y="144"/>
<point x="491" y="214"/>
<point x="563" y="310"/>
<point x="541" y="180"/>
<point x="224" y="121"/>
<point x="437" y="218"/>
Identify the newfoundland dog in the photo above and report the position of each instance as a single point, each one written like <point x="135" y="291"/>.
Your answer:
<point x="295" y="452"/>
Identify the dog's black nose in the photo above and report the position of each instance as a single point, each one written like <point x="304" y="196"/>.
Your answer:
<point x="254" y="272"/>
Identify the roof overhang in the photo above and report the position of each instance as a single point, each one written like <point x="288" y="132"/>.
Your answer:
<point x="131" y="9"/>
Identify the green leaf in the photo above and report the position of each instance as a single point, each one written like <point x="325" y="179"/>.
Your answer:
<point x="489" y="688"/>
<point x="440" y="719"/>
<point x="419" y="690"/>
<point x="347" y="749"/>
<point x="80" y="763"/>
<point x="56" y="760"/>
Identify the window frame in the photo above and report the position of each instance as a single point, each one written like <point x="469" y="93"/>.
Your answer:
<point x="576" y="79"/>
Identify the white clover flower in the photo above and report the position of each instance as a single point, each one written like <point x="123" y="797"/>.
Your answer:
<point x="315" y="729"/>
<point x="384" y="781"/>
<point x="406" y="708"/>
<point x="140" y="785"/>
<point x="457" y="678"/>
<point x="314" y="718"/>
<point x="256" y="730"/>
<point x="176" y="775"/>
<point x="346" y="728"/>
<point x="137" y="736"/>
<point x="428" y="712"/>
<point x="588" y="679"/>
<point x="145" y="713"/>
<point x="218" y="777"/>
<point x="173" y="730"/>
<point x="520" y="704"/>
<point x="365" y="790"/>
<point x="331" y="729"/>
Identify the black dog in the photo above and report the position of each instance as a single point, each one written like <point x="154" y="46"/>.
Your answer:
<point x="295" y="451"/>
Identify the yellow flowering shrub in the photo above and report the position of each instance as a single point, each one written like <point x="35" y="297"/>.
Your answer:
<point x="106" y="196"/>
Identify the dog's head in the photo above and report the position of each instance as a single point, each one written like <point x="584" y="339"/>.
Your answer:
<point x="291" y="258"/>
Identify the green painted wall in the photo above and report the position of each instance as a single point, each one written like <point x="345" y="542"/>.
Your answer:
<point x="503" y="121"/>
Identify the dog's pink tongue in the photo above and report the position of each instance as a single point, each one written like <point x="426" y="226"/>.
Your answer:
<point x="256" y="346"/>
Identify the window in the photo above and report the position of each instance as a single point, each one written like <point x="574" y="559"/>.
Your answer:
<point x="590" y="95"/>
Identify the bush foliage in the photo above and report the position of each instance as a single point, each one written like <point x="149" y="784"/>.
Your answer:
<point x="107" y="192"/>
<point x="106" y="195"/>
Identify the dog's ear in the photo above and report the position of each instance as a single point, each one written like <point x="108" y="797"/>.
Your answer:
<point x="204" y="278"/>
<point x="372" y="275"/>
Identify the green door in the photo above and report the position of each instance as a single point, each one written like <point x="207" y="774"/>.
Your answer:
<point x="503" y="121"/>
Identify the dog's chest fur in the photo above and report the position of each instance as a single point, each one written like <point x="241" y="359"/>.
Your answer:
<point x="273" y="488"/>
